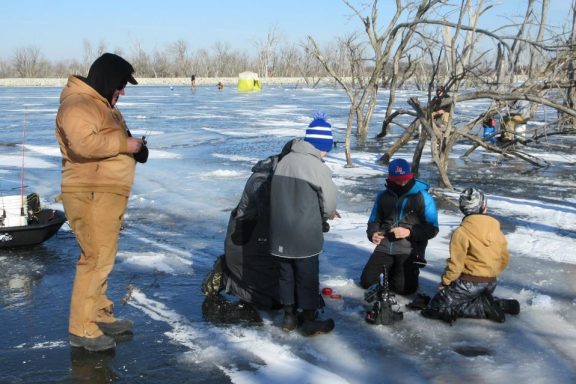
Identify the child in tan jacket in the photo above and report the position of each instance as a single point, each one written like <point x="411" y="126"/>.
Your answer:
<point x="478" y="255"/>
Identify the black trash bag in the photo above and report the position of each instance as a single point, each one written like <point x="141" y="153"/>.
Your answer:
<point x="420" y="301"/>
<point x="218" y="310"/>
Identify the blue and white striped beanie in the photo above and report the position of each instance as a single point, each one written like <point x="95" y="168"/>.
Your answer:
<point x="319" y="133"/>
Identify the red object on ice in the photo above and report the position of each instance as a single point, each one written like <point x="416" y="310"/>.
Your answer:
<point x="335" y="296"/>
<point x="327" y="291"/>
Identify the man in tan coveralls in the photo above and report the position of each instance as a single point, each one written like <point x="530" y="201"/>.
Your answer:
<point x="98" y="164"/>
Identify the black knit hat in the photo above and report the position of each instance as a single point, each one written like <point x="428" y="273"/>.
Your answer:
<point x="108" y="73"/>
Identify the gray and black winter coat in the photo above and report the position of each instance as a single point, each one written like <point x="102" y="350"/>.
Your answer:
<point x="303" y="197"/>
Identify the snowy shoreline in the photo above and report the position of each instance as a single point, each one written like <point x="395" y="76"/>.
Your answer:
<point x="54" y="82"/>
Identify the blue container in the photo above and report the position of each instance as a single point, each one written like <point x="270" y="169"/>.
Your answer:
<point x="489" y="131"/>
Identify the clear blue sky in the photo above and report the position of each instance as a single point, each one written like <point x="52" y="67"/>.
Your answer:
<point x="59" y="27"/>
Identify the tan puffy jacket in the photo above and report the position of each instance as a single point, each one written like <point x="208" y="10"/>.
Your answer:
<point x="93" y="142"/>
<point x="477" y="248"/>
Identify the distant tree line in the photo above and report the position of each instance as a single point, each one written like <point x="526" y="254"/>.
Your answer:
<point x="272" y="58"/>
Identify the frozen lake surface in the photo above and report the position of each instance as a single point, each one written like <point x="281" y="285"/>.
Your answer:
<point x="202" y="147"/>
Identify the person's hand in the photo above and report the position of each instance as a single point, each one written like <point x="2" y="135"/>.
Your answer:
<point x="377" y="237"/>
<point x="334" y="215"/>
<point x="134" y="145"/>
<point x="400" y="232"/>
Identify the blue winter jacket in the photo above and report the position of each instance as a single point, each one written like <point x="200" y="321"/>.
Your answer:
<point x="415" y="210"/>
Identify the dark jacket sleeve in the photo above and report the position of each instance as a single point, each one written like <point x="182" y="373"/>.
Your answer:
<point x="428" y="227"/>
<point x="246" y="213"/>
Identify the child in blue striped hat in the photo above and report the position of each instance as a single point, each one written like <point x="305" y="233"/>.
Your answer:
<point x="319" y="133"/>
<point x="302" y="200"/>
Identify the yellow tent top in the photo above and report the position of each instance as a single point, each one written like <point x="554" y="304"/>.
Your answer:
<point x="249" y="82"/>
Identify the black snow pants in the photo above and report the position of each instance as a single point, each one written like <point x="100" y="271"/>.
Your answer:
<point x="402" y="272"/>
<point x="465" y="299"/>
<point x="300" y="282"/>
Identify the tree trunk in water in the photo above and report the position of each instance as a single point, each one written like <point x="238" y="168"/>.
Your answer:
<point x="441" y="155"/>
<point x="405" y="138"/>
<point x="361" y="131"/>
<point x="571" y="91"/>
<point x="418" y="152"/>
<point x="444" y="148"/>
<point x="443" y="171"/>
<point x="347" y="139"/>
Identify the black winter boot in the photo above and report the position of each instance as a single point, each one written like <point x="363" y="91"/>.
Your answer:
<point x="445" y="315"/>
<point x="96" y="344"/>
<point x="117" y="327"/>
<point x="492" y="309"/>
<point x="509" y="306"/>
<point x="311" y="326"/>
<point x="290" y="321"/>
<point x="420" y="301"/>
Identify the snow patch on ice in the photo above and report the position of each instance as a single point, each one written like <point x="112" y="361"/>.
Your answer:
<point x="29" y="162"/>
<point x="542" y="302"/>
<point x="43" y="345"/>
<point x="222" y="174"/>
<point x="161" y="262"/>
<point x="159" y="154"/>
<point x="279" y="363"/>
<point x="235" y="158"/>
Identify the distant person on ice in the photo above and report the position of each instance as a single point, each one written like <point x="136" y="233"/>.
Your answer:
<point x="99" y="158"/>
<point x="303" y="198"/>
<point x="478" y="255"/>
<point x="403" y="219"/>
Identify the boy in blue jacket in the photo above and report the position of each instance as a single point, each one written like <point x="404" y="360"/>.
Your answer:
<point x="403" y="219"/>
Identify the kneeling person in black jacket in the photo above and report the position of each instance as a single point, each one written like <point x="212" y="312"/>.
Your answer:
<point x="403" y="219"/>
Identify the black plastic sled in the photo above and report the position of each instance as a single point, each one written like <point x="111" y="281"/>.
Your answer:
<point x="45" y="225"/>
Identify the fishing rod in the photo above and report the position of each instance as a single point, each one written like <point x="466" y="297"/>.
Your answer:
<point x="148" y="131"/>
<point x="146" y="135"/>
<point x="10" y="204"/>
<point x="24" y="126"/>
